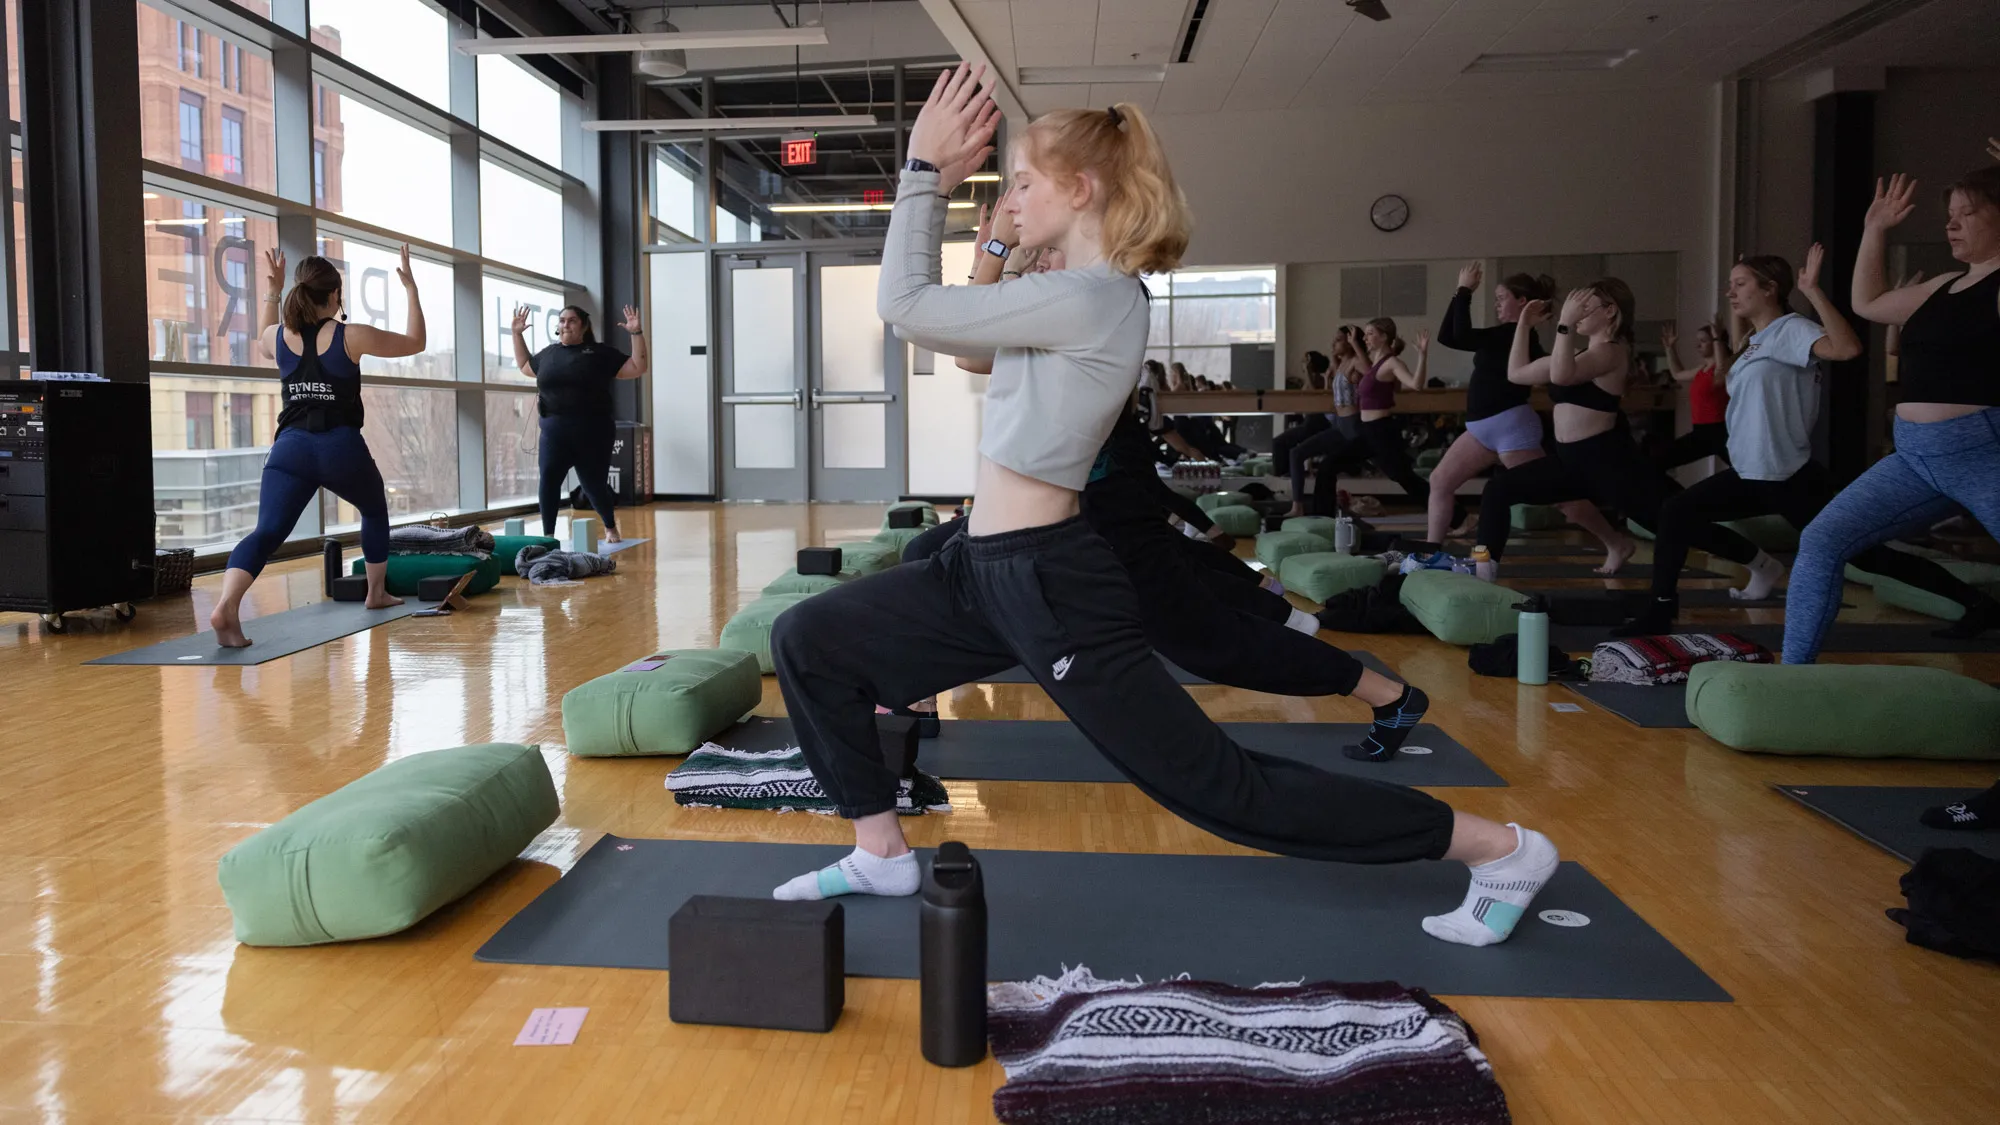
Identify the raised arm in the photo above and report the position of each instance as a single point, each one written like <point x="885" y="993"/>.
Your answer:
<point x="267" y="317"/>
<point x="1670" y="343"/>
<point x="1567" y="366"/>
<point x="989" y="269"/>
<point x="1840" y="342"/>
<point x="523" y="362"/>
<point x="1520" y="368"/>
<point x="1870" y="294"/>
<point x="640" y="361"/>
<point x="363" y="339"/>
<point x="1456" y="331"/>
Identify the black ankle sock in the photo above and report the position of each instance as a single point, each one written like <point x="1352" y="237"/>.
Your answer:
<point x="1977" y="619"/>
<point x="1657" y="617"/>
<point x="1981" y="812"/>
<point x="1392" y="725"/>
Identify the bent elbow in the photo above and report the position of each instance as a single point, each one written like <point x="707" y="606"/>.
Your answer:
<point x="1841" y="353"/>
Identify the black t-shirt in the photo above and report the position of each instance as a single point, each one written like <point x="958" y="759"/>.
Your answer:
<point x="1490" y="392"/>
<point x="576" y="379"/>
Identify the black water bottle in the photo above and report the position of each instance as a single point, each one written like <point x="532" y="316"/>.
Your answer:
<point x="953" y="966"/>
<point x="331" y="550"/>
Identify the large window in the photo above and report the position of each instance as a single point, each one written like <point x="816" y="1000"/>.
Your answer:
<point x="206" y="478"/>
<point x="213" y="120"/>
<point x="1198" y="313"/>
<point x="232" y="145"/>
<point x="413" y="434"/>
<point x="204" y="279"/>
<point x="519" y="107"/>
<point x="191" y="109"/>
<point x="387" y="173"/>
<point x="513" y="447"/>
<point x="500" y="299"/>
<point x="375" y="296"/>
<point x="402" y="42"/>
<point x="676" y="171"/>
<point x="520" y="221"/>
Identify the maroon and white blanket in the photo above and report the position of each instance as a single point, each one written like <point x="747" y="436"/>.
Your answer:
<point x="1668" y="659"/>
<point x="1079" y="1050"/>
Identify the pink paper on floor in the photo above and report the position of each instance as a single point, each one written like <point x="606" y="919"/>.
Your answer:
<point x="551" y="1027"/>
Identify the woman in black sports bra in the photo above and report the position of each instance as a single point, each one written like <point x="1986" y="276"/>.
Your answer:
<point x="1595" y="457"/>
<point x="1948" y="424"/>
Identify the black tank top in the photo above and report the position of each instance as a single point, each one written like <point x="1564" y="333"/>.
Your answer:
<point x="1589" y="395"/>
<point x="321" y="392"/>
<point x="1951" y="347"/>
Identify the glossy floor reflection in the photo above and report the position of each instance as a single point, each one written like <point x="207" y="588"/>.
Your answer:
<point x="124" y="998"/>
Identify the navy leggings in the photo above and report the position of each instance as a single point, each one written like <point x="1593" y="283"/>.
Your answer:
<point x="581" y="442"/>
<point x="302" y="463"/>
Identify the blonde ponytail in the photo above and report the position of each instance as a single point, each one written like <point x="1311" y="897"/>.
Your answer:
<point x="1146" y="219"/>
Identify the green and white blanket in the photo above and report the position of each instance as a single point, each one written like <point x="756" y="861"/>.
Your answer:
<point x="717" y="777"/>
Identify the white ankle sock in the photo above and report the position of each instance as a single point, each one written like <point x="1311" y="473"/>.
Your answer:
<point x="859" y="873"/>
<point x="1302" y="621"/>
<point x="1500" y="893"/>
<point x="1765" y="572"/>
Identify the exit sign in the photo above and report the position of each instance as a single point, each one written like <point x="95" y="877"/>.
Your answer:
<point x="801" y="151"/>
<point x="871" y="195"/>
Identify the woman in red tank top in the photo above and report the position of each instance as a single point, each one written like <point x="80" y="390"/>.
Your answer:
<point x="1707" y="397"/>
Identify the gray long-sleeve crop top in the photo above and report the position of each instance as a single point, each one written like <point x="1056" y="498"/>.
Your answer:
<point x="1065" y="346"/>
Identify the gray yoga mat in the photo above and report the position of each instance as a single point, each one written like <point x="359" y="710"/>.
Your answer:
<point x="1030" y="750"/>
<point x="1242" y="919"/>
<point x="1586" y="567"/>
<point x="1656" y="706"/>
<point x="1690" y="599"/>
<point x="1019" y="675"/>
<point x="1845" y="636"/>
<point x="271" y="636"/>
<point x="604" y="548"/>
<point x="1887" y="816"/>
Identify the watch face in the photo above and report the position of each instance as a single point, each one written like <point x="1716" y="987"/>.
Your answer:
<point x="1389" y="213"/>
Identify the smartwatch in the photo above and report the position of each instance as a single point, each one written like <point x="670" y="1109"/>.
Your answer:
<point x="1562" y="329"/>
<point x="996" y="248"/>
<point x="915" y="165"/>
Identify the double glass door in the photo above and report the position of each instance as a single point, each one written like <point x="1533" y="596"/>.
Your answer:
<point x="812" y="407"/>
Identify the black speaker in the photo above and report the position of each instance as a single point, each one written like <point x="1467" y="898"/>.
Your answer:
<point x="76" y="495"/>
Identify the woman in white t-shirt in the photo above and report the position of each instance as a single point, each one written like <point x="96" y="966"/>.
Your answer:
<point x="1774" y="387"/>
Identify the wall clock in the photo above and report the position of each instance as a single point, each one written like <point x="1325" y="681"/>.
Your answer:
<point x="1389" y="213"/>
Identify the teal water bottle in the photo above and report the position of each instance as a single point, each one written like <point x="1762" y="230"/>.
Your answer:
<point x="1532" y="636"/>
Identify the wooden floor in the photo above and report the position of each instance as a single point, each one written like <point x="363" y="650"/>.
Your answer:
<point x="123" y="997"/>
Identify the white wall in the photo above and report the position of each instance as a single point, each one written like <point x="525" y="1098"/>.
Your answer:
<point x="683" y="393"/>
<point x="1933" y="124"/>
<point x="1611" y="173"/>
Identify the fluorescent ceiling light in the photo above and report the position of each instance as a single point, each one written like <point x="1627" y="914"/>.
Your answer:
<point x="696" y="124"/>
<point x="1075" y="75"/>
<point x="1551" y="60"/>
<point x="840" y="208"/>
<point x="983" y="178"/>
<point x="645" y="41"/>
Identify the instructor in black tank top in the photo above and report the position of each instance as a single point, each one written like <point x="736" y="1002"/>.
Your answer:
<point x="573" y="378"/>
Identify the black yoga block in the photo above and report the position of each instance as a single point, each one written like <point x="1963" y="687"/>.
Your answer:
<point x="819" y="560"/>
<point x="350" y="588"/>
<point x="437" y="587"/>
<point x="757" y="962"/>
<point x="906" y="517"/>
<point x="899" y="734"/>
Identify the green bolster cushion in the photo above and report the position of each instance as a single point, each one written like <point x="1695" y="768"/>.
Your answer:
<point x="1638" y="529"/>
<point x="868" y="558"/>
<point x="1771" y="533"/>
<point x="1257" y="467"/>
<point x="792" y="582"/>
<point x="507" y="547"/>
<point x="1429" y="458"/>
<point x="1321" y="526"/>
<point x="381" y="853"/>
<point x="750" y="630"/>
<point x="406" y="571"/>
<point x="689" y="698"/>
<point x="1237" y="520"/>
<point x="1274" y="547"/>
<point x="896" y="538"/>
<point x="1536" y="517"/>
<point x="1460" y="609"/>
<point x="1869" y="578"/>
<point x="1846" y="710"/>
<point x="1209" y="502"/>
<point x="1895" y="592"/>
<point x="929" y="512"/>
<point x="1321" y="575"/>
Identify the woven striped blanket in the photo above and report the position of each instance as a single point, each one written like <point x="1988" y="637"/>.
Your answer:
<point x="1668" y="659"/>
<point x="717" y="777"/>
<point x="1080" y="1051"/>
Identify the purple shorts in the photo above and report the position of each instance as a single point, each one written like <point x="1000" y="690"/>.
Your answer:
<point x="1510" y="431"/>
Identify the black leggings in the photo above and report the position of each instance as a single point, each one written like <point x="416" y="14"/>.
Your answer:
<point x="1707" y="439"/>
<point x="1202" y="433"/>
<point x="1283" y="444"/>
<point x="1607" y="468"/>
<point x="581" y="442"/>
<point x="1055" y="600"/>
<point x="1692" y="518"/>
